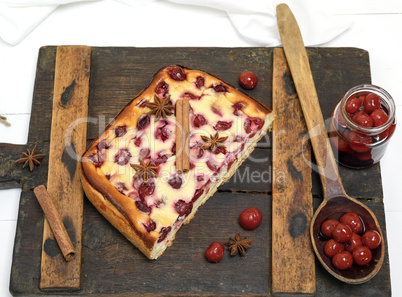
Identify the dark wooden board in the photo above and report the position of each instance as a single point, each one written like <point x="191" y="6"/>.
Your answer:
<point x="111" y="266"/>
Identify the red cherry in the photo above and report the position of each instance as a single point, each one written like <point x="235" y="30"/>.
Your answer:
<point x="371" y="103"/>
<point x="137" y="141"/>
<point x="247" y="125"/>
<point x="343" y="260"/>
<point x="146" y="189"/>
<point x="250" y="218"/>
<point x="238" y="106"/>
<point x="200" y="153"/>
<point x="121" y="187"/>
<point x="176" y="73"/>
<point x="222" y="125"/>
<point x="163" y="233"/>
<point x="212" y="166"/>
<point x="353" y="221"/>
<point x="371" y="239"/>
<point x="150" y="226"/>
<point x="143" y="121"/>
<point x="161" y="158"/>
<point x="120" y="131"/>
<point x="199" y="120"/>
<point x="142" y="206"/>
<point x="122" y="157"/>
<point x="354" y="242"/>
<point x="387" y="133"/>
<point x="175" y="181"/>
<point x="340" y="144"/>
<point x="214" y="252"/>
<point x="102" y="145"/>
<point x="162" y="88"/>
<point x="220" y="88"/>
<point x="362" y="255"/>
<point x="342" y="233"/>
<point x="363" y="119"/>
<point x="199" y="82"/>
<point x="361" y="97"/>
<point x="327" y="227"/>
<point x="248" y="80"/>
<point x="183" y="208"/>
<point x="352" y="105"/>
<point x="359" y="142"/>
<point x="220" y="150"/>
<point x="144" y="152"/>
<point x="197" y="194"/>
<point x="97" y="158"/>
<point x="379" y="117"/>
<point x="332" y="247"/>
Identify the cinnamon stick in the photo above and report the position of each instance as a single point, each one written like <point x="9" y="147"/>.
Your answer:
<point x="55" y="222"/>
<point x="186" y="137"/>
<point x="179" y="135"/>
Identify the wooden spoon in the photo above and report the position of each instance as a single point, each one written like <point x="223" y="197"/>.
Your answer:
<point x="336" y="202"/>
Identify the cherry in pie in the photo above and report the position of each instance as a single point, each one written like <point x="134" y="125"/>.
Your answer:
<point x="130" y="175"/>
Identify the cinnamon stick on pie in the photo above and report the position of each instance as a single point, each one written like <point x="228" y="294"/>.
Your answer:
<point x="186" y="138"/>
<point x="182" y="135"/>
<point x="179" y="135"/>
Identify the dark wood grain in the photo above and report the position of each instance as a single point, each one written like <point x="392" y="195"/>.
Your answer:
<point x="12" y="175"/>
<point x="11" y="172"/>
<point x="111" y="266"/>
<point x="293" y="267"/>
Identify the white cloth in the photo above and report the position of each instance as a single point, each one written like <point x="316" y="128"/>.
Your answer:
<point x="254" y="20"/>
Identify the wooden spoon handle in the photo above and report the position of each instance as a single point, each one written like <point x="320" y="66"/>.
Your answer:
<point x="299" y="65"/>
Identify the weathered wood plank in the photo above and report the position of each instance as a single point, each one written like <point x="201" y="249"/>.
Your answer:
<point x="293" y="267"/>
<point x="67" y="144"/>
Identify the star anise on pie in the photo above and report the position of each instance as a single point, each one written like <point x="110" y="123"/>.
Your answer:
<point x="144" y="170"/>
<point x="213" y="142"/>
<point x="31" y="158"/>
<point x="160" y="107"/>
<point x="238" y="245"/>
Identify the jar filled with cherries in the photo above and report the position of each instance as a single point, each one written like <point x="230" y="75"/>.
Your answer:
<point x="362" y="124"/>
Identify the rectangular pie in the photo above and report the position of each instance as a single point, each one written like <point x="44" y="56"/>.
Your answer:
<point x="129" y="173"/>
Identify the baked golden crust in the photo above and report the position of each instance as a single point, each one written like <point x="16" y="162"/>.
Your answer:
<point x="121" y="207"/>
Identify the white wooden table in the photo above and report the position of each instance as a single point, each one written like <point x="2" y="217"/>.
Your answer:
<point x="377" y="29"/>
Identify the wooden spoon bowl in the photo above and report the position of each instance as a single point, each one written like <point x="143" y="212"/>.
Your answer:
<point x="335" y="202"/>
<point x="334" y="208"/>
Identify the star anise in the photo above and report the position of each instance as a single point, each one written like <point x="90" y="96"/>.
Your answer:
<point x="144" y="170"/>
<point x="160" y="107"/>
<point x="213" y="142"/>
<point x="238" y="244"/>
<point x="31" y="158"/>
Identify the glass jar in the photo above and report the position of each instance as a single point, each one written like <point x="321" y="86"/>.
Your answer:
<point x="362" y="124"/>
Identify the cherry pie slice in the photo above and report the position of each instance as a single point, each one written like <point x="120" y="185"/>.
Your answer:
<point x="129" y="172"/>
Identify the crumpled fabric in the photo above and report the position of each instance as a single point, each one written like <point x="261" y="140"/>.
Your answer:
<point x="254" y="20"/>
